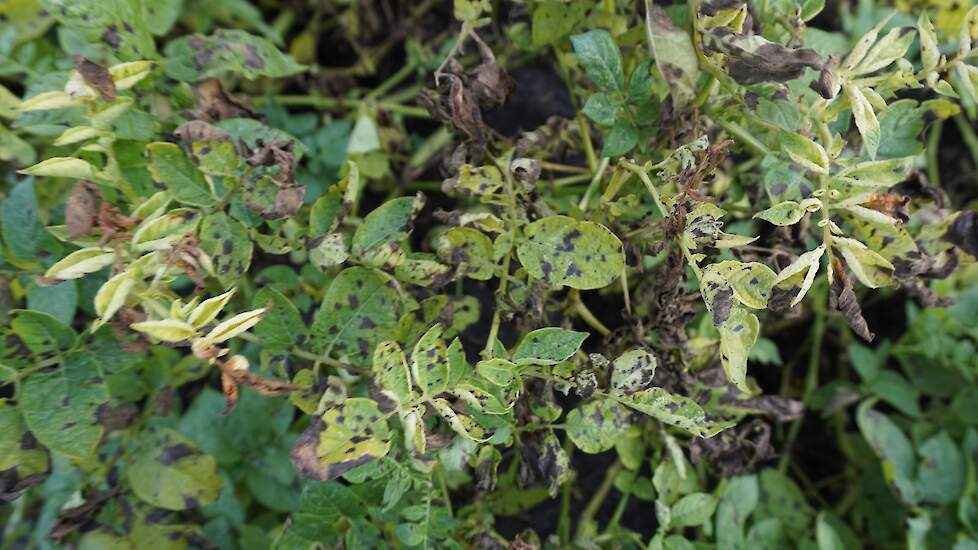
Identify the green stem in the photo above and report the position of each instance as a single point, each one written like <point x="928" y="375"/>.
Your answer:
<point x="330" y="103"/>
<point x="444" y="489"/>
<point x="563" y="524"/>
<point x="585" y="314"/>
<point x="302" y="354"/>
<point x="968" y="135"/>
<point x="933" y="144"/>
<point x="811" y="378"/>
<point x="393" y="81"/>
<point x="594" y="505"/>
<point x="743" y="136"/>
<point x="595" y="183"/>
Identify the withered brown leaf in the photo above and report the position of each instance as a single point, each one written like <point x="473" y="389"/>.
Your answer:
<point x="214" y="103"/>
<point x="82" y="209"/>
<point x="842" y="298"/>
<point x="96" y="76"/>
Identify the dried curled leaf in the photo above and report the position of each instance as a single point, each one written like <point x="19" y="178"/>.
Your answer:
<point x="842" y="298"/>
<point x="754" y="59"/>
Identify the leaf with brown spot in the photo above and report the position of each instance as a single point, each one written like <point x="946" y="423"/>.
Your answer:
<point x="963" y="232"/>
<point x="96" y="76"/>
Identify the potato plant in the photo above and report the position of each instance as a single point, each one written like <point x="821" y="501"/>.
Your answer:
<point x="488" y="274"/>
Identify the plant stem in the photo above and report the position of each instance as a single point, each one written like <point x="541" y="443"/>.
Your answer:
<point x="968" y="135"/>
<point x="585" y="314"/>
<point x="563" y="524"/>
<point x="594" y="505"/>
<point x="302" y="354"/>
<point x="329" y="103"/>
<point x="444" y="488"/>
<point x="811" y="378"/>
<point x="595" y="182"/>
<point x="933" y="143"/>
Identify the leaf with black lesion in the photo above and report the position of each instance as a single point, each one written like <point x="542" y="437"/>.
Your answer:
<point x="350" y="434"/>
<point x="842" y="298"/>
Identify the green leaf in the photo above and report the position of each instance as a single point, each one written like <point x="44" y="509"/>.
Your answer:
<point x="61" y="404"/>
<point x="21" y="227"/>
<point x="602" y="109"/>
<point x="196" y="57"/>
<point x="360" y="309"/>
<point x="692" y="510"/>
<point x="595" y="426"/>
<point x="552" y="21"/>
<point x="171" y="167"/>
<point x="282" y="327"/>
<point x="942" y="471"/>
<point x="386" y="226"/>
<point x="599" y="56"/>
<point x="170" y="473"/>
<point x="675" y="56"/>
<point x="41" y="332"/>
<point x="548" y="346"/>
<point x="633" y="371"/>
<point x="563" y="251"/>
<point x="783" y="214"/>
<point x="60" y="301"/>
<point x="891" y="445"/>
<point x="348" y="435"/>
<point x="621" y="139"/>
<point x="227" y="243"/>
<point x="805" y="152"/>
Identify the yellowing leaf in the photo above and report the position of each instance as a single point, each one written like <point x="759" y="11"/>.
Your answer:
<point x="563" y="251"/>
<point x="62" y="167"/>
<point x="81" y="262"/>
<point x="209" y="309"/>
<point x="234" y="326"/>
<point x="167" y="330"/>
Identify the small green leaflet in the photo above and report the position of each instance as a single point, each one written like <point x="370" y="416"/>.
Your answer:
<point x="385" y="227"/>
<point x="599" y="56"/>
<point x="563" y="251"/>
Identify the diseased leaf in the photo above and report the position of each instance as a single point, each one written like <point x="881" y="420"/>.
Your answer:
<point x="548" y="346"/>
<point x="227" y="243"/>
<point x="753" y="59"/>
<point x="429" y="362"/>
<point x="866" y="121"/>
<point x="196" y="57"/>
<point x="60" y="405"/>
<point x="597" y="425"/>
<point x="361" y="308"/>
<point x="350" y="434"/>
<point x="172" y="474"/>
<point x="385" y="227"/>
<point x="563" y="251"/>
<point x="633" y="371"/>
<point x="674" y="410"/>
<point x="675" y="56"/>
<point x="737" y="335"/>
